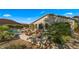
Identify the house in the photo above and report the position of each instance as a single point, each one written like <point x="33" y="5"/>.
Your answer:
<point x="49" y="19"/>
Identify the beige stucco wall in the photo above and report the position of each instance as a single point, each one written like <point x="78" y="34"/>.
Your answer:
<point x="40" y="20"/>
<point x="51" y="20"/>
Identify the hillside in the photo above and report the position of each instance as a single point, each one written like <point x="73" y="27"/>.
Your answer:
<point x="7" y="21"/>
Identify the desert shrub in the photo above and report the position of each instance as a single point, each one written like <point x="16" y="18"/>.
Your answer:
<point x="75" y="25"/>
<point x="4" y="27"/>
<point x="26" y="25"/>
<point x="15" y="26"/>
<point x="66" y="38"/>
<point x="6" y="36"/>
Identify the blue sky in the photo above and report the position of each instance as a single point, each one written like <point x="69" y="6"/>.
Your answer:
<point x="30" y="15"/>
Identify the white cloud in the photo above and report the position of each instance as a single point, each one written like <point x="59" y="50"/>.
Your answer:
<point x="7" y="15"/>
<point x="69" y="13"/>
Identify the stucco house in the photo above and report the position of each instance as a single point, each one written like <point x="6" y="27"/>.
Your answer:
<point x="51" y="19"/>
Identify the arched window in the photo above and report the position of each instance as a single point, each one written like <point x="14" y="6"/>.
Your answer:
<point x="41" y="26"/>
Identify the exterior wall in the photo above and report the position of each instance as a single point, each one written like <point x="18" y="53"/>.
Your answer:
<point x="53" y="19"/>
<point x="40" y="21"/>
<point x="56" y="19"/>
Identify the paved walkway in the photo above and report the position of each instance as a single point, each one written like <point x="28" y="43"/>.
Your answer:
<point x="25" y="37"/>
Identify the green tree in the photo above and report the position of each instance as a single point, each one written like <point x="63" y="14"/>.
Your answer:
<point x="57" y="31"/>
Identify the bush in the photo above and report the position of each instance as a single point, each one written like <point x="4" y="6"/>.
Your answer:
<point x="4" y="27"/>
<point x="75" y="25"/>
<point x="66" y="38"/>
<point x="6" y="36"/>
<point x="58" y="32"/>
<point x="15" y="26"/>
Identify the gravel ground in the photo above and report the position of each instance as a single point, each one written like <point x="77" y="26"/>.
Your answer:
<point x="17" y="42"/>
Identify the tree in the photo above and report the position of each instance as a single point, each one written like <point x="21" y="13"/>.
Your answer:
<point x="57" y="31"/>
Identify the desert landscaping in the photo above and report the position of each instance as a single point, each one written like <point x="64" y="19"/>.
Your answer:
<point x="49" y="32"/>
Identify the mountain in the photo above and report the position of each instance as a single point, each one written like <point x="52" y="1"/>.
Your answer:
<point x="7" y="21"/>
